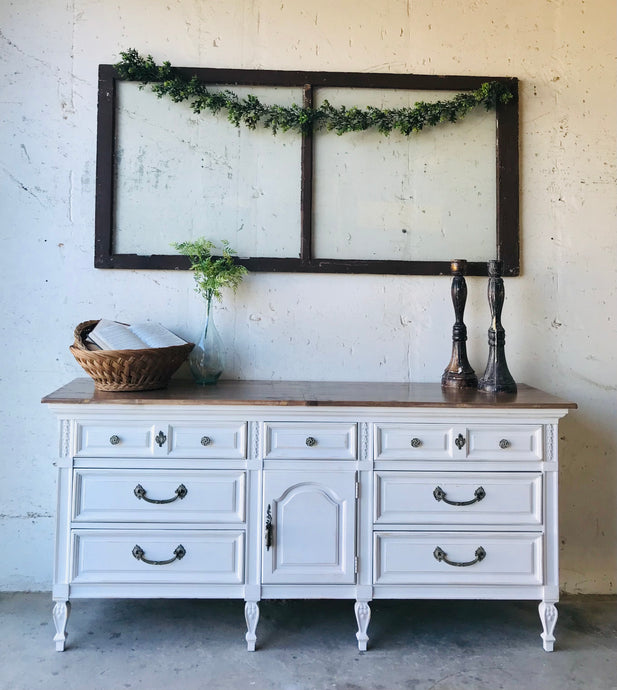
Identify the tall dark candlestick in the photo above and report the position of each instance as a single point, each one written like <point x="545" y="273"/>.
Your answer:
<point x="497" y="377"/>
<point x="458" y="373"/>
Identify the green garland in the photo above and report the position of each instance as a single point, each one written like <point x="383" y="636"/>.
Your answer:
<point x="250" y="111"/>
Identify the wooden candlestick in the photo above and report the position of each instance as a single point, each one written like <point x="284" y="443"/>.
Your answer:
<point x="497" y="377"/>
<point x="458" y="373"/>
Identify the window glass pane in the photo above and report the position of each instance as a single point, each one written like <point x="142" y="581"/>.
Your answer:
<point x="179" y="176"/>
<point x="427" y="196"/>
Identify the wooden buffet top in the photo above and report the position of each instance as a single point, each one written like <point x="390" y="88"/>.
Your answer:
<point x="307" y="394"/>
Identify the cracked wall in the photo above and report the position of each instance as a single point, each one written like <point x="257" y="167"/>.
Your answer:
<point x="560" y="316"/>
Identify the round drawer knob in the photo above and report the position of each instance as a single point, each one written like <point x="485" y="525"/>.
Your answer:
<point x="504" y="443"/>
<point x="416" y="442"/>
<point x="310" y="441"/>
<point x="206" y="440"/>
<point x="114" y="440"/>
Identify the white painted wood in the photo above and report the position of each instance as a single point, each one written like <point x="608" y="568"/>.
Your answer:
<point x="251" y="615"/>
<point x="117" y="437"/>
<point x="106" y="495"/>
<point x="363" y="618"/>
<point x="548" y="617"/>
<point x="408" y="557"/>
<point x="551" y="515"/>
<point x="353" y="515"/>
<point x="105" y="556"/>
<point x="310" y="441"/>
<point x="60" y="614"/>
<point x="64" y="489"/>
<point x="208" y="440"/>
<point x="415" y="442"/>
<point x="313" y="526"/>
<point x="520" y="442"/>
<point x="406" y="498"/>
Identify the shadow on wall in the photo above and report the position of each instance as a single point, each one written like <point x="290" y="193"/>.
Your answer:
<point x="587" y="505"/>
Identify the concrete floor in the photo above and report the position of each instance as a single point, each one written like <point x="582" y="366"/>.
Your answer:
<point x="306" y="645"/>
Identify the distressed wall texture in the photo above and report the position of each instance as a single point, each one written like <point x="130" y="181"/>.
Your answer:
<point x="560" y="315"/>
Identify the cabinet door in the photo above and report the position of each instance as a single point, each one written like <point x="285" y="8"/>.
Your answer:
<point x="310" y="527"/>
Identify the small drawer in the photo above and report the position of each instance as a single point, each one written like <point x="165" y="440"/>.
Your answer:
<point x="326" y="441"/>
<point x="205" y="496"/>
<point x="121" y="556"/>
<point x="414" y="442"/>
<point x="116" y="438"/>
<point x="439" y="498"/>
<point x="505" y="442"/>
<point x="479" y="558"/>
<point x="224" y="440"/>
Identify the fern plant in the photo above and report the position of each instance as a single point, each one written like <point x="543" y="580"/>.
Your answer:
<point x="212" y="273"/>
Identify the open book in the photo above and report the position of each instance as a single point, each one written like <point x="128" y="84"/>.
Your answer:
<point x="111" y="335"/>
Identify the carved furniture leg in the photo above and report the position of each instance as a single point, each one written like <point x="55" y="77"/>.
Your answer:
<point x="60" y="614"/>
<point x="548" y="616"/>
<point x="251" y="614"/>
<point x="363" y="616"/>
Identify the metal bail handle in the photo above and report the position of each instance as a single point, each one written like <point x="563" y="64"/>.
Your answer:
<point x="441" y="555"/>
<point x="180" y="492"/>
<point x="440" y="495"/>
<point x="139" y="554"/>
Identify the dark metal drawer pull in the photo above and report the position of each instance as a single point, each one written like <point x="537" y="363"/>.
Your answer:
<point x="416" y="442"/>
<point x="440" y="495"/>
<point x="114" y="440"/>
<point x="310" y="441"/>
<point x="268" y="528"/>
<point x="441" y="555"/>
<point x="140" y="555"/>
<point x="160" y="438"/>
<point x="206" y="440"/>
<point x="459" y="441"/>
<point x="180" y="492"/>
<point x="504" y="443"/>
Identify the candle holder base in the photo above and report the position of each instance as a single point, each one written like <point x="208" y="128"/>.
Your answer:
<point x="496" y="380"/>
<point x="457" y="380"/>
<point x="459" y="373"/>
<point x="496" y="377"/>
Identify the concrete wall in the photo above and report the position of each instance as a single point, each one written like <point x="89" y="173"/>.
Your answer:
<point x="560" y="316"/>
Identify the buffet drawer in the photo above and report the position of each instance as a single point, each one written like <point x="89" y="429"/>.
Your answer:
<point x="205" y="496"/>
<point x="224" y="440"/>
<point x="505" y="442"/>
<point x="107" y="556"/>
<point x="310" y="441"/>
<point x="194" y="439"/>
<point x="411" y="558"/>
<point x="458" y="442"/>
<point x="425" y="498"/>
<point x="115" y="438"/>
<point x="415" y="442"/>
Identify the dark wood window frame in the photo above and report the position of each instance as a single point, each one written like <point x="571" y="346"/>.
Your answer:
<point x="507" y="176"/>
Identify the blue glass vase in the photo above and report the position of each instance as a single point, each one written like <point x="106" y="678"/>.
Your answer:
<point x="206" y="358"/>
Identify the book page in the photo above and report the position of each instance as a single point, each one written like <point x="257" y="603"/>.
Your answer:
<point x="110" y="335"/>
<point x="155" y="335"/>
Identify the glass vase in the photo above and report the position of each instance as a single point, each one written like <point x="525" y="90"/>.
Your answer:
<point x="206" y="358"/>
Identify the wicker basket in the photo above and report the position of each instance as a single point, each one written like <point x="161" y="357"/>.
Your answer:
<point x="127" y="370"/>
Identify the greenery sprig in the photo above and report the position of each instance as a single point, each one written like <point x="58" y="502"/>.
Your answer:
<point x="212" y="273"/>
<point x="250" y="111"/>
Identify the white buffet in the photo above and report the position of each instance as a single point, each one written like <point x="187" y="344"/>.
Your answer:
<point x="259" y="490"/>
